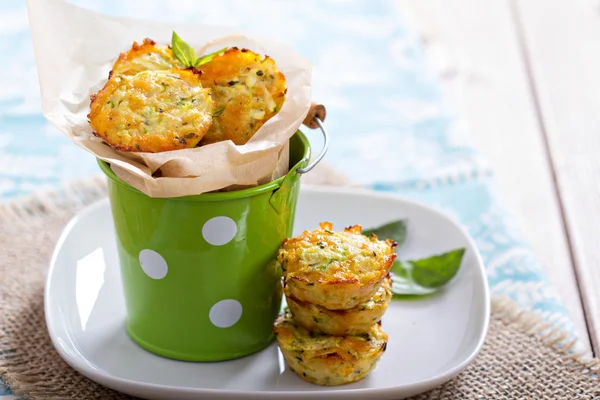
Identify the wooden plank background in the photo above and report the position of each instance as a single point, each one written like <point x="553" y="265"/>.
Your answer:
<point x="562" y="46"/>
<point x="525" y="75"/>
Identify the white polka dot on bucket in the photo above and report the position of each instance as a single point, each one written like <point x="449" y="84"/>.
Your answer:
<point x="153" y="264"/>
<point x="219" y="230"/>
<point x="225" y="313"/>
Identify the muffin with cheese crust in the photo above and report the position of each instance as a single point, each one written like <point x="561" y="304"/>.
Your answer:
<point x="325" y="359"/>
<point x="248" y="90"/>
<point x="335" y="270"/>
<point x="355" y="321"/>
<point x="152" y="111"/>
<point x="145" y="56"/>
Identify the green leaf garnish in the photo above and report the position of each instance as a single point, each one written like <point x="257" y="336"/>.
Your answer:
<point x="395" y="230"/>
<point x="204" y="59"/>
<point x="417" y="277"/>
<point x="403" y="284"/>
<point x="427" y="275"/>
<point x="187" y="55"/>
<point x="435" y="271"/>
<point x="183" y="51"/>
<point x="218" y="112"/>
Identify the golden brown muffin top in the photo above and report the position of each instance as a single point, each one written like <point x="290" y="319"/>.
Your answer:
<point x="248" y="90"/>
<point x="346" y="257"/>
<point x="152" y="111"/>
<point x="145" y="56"/>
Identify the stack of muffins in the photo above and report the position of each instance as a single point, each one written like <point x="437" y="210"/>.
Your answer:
<point x="337" y="288"/>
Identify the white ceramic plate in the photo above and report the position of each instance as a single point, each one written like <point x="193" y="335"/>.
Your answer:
<point x="430" y="340"/>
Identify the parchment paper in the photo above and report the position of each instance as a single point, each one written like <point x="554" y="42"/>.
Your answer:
<point x="75" y="49"/>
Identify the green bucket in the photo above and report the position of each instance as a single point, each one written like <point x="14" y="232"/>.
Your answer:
<point x="199" y="276"/>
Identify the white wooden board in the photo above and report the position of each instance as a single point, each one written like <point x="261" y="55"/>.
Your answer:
<point x="476" y="49"/>
<point x="562" y="39"/>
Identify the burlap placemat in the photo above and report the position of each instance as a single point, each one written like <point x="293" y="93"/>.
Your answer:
<point x="521" y="359"/>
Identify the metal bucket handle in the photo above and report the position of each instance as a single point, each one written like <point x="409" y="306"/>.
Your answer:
<point x="313" y="164"/>
<point x="314" y="120"/>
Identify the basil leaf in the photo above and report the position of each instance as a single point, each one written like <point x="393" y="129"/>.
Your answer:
<point x="395" y="230"/>
<point x="204" y="59"/>
<point x="427" y="275"/>
<point x="400" y="271"/>
<point x="418" y="277"/>
<point x="402" y="281"/>
<point x="436" y="271"/>
<point x="402" y="286"/>
<point x="183" y="51"/>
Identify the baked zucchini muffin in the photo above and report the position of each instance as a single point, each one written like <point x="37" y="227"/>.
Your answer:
<point x="145" y="56"/>
<point x="152" y="111"/>
<point x="335" y="270"/>
<point x="248" y="90"/>
<point x="325" y="359"/>
<point x="355" y="321"/>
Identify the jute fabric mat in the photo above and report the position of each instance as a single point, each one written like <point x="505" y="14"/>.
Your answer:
<point x="523" y="358"/>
